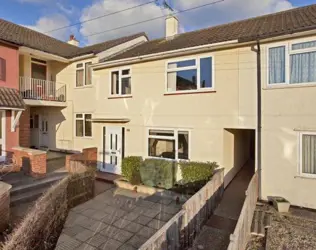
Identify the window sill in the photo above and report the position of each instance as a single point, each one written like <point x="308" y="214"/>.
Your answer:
<point x="305" y="177"/>
<point x="190" y="93"/>
<point x="84" y="87"/>
<point x="89" y="138"/>
<point x="286" y="85"/>
<point x="120" y="97"/>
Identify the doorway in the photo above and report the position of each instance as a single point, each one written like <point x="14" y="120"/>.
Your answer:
<point x="44" y="138"/>
<point x="2" y="135"/>
<point x="113" y="149"/>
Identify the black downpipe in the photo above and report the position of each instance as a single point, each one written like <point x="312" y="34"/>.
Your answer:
<point x="259" y="120"/>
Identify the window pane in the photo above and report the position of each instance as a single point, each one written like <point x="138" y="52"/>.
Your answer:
<point x="126" y="86"/>
<point x="88" y="125"/>
<point x="309" y="154"/>
<point x="206" y="72"/>
<point x="36" y="121"/>
<point x="88" y="73"/>
<point x="182" y="80"/>
<point x="125" y="72"/>
<point x="183" y="145"/>
<point x="79" y="116"/>
<point x="181" y="64"/>
<point x="115" y="83"/>
<point x="79" y="65"/>
<point x="161" y="132"/>
<point x="303" y="67"/>
<point x="79" y="78"/>
<point x="2" y="69"/>
<point x="304" y="45"/>
<point x="79" y="128"/>
<point x="161" y="148"/>
<point x="277" y="65"/>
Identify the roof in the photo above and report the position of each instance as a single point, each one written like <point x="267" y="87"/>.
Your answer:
<point x="267" y="26"/>
<point x="10" y="98"/>
<point x="22" y="36"/>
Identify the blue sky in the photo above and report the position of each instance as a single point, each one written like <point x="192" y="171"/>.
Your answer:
<point x="45" y="15"/>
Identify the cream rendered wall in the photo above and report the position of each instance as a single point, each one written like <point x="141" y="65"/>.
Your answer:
<point x="286" y="111"/>
<point x="205" y="115"/>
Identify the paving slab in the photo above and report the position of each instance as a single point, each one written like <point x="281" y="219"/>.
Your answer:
<point x="115" y="219"/>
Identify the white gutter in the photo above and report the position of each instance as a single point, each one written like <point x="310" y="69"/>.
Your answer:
<point x="162" y="54"/>
<point x="39" y="53"/>
<point x="81" y="57"/>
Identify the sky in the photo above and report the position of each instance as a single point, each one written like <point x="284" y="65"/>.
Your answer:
<point x="47" y="15"/>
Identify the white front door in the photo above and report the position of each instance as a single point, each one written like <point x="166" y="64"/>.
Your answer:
<point x="112" y="150"/>
<point x="2" y="135"/>
<point x="44" y="132"/>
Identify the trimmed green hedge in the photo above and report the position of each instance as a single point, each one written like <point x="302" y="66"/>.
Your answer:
<point x="197" y="171"/>
<point x="158" y="173"/>
<point x="130" y="169"/>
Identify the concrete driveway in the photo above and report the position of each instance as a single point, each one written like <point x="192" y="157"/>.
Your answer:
<point x="115" y="219"/>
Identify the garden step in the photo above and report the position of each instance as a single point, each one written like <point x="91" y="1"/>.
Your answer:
<point x="36" y="184"/>
<point x="27" y="197"/>
<point x="261" y="221"/>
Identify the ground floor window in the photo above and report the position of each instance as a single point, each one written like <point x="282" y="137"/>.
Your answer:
<point x="168" y="143"/>
<point x="83" y="125"/>
<point x="308" y="154"/>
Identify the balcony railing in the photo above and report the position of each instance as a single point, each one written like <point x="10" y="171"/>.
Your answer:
<point x="37" y="89"/>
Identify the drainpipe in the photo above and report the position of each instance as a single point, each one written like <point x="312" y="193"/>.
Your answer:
<point x="259" y="120"/>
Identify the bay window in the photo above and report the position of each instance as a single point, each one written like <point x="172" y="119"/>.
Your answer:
<point x="292" y="63"/>
<point x="190" y="75"/>
<point x="168" y="144"/>
<point x="121" y="82"/>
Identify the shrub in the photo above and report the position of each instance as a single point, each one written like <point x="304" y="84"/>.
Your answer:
<point x="158" y="173"/>
<point x="130" y="167"/>
<point x="197" y="171"/>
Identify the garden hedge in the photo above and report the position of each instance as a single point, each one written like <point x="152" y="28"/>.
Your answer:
<point x="197" y="171"/>
<point x="130" y="168"/>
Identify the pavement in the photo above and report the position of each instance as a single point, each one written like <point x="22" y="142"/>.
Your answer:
<point x="215" y="234"/>
<point x="116" y="219"/>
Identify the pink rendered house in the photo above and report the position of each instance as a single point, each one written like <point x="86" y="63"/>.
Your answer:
<point x="11" y="103"/>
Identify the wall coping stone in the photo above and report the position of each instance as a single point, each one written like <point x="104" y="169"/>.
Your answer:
<point x="29" y="151"/>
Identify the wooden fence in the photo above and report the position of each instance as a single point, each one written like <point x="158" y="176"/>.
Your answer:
<point x="180" y="231"/>
<point x="240" y="237"/>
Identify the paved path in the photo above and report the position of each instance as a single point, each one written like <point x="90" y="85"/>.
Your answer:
<point x="115" y="219"/>
<point x="216" y="232"/>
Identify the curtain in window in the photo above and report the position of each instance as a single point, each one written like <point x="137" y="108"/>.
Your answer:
<point x="303" y="67"/>
<point x="277" y="65"/>
<point x="309" y="154"/>
<point x="304" y="45"/>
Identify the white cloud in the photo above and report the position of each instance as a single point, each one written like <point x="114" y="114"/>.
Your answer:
<point x="67" y="10"/>
<point x="228" y="10"/>
<point x="52" y="22"/>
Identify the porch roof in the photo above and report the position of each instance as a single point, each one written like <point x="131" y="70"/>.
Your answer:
<point x="10" y="99"/>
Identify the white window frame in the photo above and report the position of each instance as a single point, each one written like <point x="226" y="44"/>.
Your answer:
<point x="84" y="125"/>
<point x="84" y="75"/>
<point x="174" y="137"/>
<point x="288" y="53"/>
<point x="120" y="70"/>
<point x="197" y="67"/>
<point x="301" y="155"/>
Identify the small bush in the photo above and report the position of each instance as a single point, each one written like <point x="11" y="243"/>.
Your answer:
<point x="158" y="173"/>
<point x="130" y="167"/>
<point x="197" y="171"/>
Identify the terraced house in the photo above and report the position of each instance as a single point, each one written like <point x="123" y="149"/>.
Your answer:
<point x="234" y="93"/>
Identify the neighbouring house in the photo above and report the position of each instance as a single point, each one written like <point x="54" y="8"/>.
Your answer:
<point x="230" y="93"/>
<point x="11" y="103"/>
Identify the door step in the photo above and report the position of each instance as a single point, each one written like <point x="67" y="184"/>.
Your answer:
<point x="261" y="221"/>
<point x="30" y="191"/>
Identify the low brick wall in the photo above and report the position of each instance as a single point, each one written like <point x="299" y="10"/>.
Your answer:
<point x="32" y="161"/>
<point x="78" y="161"/>
<point x="4" y="205"/>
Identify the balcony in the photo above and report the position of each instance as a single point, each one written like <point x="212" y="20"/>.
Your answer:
<point x="37" y="92"/>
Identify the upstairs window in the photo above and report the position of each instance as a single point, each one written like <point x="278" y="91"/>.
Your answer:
<point x="292" y="63"/>
<point x="121" y="82"/>
<point x="83" y="74"/>
<point x="3" y="69"/>
<point x="190" y="75"/>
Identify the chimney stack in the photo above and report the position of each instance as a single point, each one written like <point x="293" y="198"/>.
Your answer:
<point x="172" y="26"/>
<point x="73" y="41"/>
